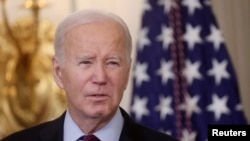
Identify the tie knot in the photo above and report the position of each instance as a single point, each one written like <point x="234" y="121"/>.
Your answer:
<point x="89" y="137"/>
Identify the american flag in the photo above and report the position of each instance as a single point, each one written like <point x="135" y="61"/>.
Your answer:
<point x="183" y="77"/>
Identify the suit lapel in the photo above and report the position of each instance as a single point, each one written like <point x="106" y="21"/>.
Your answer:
<point x="130" y="131"/>
<point x="53" y="131"/>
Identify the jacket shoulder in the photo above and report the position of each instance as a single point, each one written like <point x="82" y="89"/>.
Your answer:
<point x="37" y="132"/>
<point x="133" y="131"/>
<point x="31" y="133"/>
<point x="151" y="134"/>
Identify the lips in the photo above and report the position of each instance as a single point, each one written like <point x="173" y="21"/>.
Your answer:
<point x="98" y="96"/>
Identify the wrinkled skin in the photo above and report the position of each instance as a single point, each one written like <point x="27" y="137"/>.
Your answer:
<point x="94" y="73"/>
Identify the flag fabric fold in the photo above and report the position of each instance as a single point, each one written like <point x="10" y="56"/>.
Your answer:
<point x="183" y="78"/>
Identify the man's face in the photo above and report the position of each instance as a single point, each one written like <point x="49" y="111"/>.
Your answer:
<point x="95" y="70"/>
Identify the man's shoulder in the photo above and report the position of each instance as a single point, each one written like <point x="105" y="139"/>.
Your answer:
<point x="31" y="133"/>
<point x="35" y="132"/>
<point x="136" y="131"/>
<point x="150" y="133"/>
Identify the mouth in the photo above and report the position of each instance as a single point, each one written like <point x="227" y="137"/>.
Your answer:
<point x="98" y="97"/>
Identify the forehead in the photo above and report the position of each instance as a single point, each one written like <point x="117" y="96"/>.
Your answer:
<point x="105" y="32"/>
<point x="99" y="32"/>
<point x="96" y="28"/>
<point x="97" y="36"/>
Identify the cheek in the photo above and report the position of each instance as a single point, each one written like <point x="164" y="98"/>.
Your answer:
<point x="75" y="89"/>
<point x="73" y="82"/>
<point x="120" y="81"/>
<point x="125" y="77"/>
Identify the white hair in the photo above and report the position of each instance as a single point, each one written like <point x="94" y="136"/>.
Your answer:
<point x="85" y="17"/>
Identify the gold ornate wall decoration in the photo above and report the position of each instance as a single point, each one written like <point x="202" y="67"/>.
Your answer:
<point x="28" y="94"/>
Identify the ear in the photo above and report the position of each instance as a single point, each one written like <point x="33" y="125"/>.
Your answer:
<point x="57" y="72"/>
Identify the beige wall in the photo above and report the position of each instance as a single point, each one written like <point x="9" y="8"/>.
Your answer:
<point x="233" y="17"/>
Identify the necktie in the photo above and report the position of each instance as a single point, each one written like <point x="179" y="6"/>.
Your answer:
<point x="89" y="137"/>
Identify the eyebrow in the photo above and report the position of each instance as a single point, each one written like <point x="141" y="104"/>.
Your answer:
<point x="85" y="56"/>
<point x="115" y="57"/>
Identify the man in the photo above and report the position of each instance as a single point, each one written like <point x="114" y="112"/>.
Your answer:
<point x="91" y="64"/>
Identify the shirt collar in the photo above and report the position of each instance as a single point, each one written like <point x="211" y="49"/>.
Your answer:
<point x="71" y="132"/>
<point x="110" y="132"/>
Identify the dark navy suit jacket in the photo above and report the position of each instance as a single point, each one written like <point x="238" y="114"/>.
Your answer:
<point x="53" y="131"/>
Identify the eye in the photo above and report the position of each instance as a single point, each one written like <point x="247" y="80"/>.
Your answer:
<point x="113" y="63"/>
<point x="85" y="62"/>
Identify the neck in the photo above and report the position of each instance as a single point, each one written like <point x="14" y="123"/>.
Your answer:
<point x="89" y="125"/>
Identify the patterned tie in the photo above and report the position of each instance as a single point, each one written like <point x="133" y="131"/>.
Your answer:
<point x="89" y="137"/>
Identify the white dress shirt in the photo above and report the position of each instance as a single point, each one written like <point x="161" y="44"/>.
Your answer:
<point x="110" y="132"/>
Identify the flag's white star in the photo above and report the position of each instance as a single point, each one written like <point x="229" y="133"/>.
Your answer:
<point x="218" y="106"/>
<point x="191" y="105"/>
<point x="239" y="107"/>
<point x="140" y="73"/>
<point x="192" y="5"/>
<point x="166" y="36"/>
<point x="192" y="36"/>
<point x="146" y="6"/>
<point x="164" y="107"/>
<point x="143" y="38"/>
<point x="165" y="71"/>
<point x="140" y="107"/>
<point x="207" y="3"/>
<point x="215" y="37"/>
<point x="219" y="71"/>
<point x="168" y="4"/>
<point x="186" y="136"/>
<point x="191" y="71"/>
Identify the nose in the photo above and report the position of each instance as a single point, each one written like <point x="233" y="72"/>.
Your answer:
<point x="99" y="75"/>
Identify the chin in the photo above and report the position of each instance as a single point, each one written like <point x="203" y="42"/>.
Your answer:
<point x="98" y="112"/>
